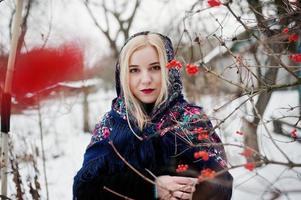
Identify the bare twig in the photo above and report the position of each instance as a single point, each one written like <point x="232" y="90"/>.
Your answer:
<point x="116" y="193"/>
<point x="42" y="147"/>
<point x="129" y="165"/>
<point x="258" y="39"/>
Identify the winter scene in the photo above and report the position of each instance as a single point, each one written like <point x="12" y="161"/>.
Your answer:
<point x="150" y="99"/>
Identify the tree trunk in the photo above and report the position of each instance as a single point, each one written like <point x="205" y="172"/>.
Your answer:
<point x="86" y="110"/>
<point x="251" y="139"/>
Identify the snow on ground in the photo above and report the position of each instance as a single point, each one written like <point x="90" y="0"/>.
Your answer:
<point x="65" y="144"/>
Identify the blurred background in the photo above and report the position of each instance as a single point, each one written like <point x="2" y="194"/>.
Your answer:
<point x="248" y="80"/>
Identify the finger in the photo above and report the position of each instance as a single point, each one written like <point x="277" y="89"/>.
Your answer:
<point x="172" y="198"/>
<point x="186" y="188"/>
<point x="168" y="196"/>
<point x="193" y="189"/>
<point x="181" y="195"/>
<point x="185" y="180"/>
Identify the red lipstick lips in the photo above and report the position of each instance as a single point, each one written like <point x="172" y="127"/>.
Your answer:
<point x="147" y="91"/>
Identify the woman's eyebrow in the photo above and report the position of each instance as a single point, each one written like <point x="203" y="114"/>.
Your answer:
<point x="154" y="63"/>
<point x="131" y="66"/>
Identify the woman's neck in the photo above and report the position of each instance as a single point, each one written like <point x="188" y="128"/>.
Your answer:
<point x="148" y="107"/>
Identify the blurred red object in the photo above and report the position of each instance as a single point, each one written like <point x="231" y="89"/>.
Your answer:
<point x="39" y="69"/>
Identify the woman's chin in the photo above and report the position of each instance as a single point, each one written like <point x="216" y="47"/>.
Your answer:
<point x="148" y="100"/>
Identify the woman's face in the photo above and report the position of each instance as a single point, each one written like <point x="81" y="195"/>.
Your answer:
<point x="145" y="74"/>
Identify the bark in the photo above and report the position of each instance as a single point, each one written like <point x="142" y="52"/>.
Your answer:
<point x="270" y="76"/>
<point x="251" y="139"/>
<point x="86" y="110"/>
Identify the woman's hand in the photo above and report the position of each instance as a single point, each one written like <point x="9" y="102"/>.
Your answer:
<point x="175" y="187"/>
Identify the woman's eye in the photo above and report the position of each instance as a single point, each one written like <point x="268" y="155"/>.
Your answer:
<point x="133" y="70"/>
<point x="158" y="67"/>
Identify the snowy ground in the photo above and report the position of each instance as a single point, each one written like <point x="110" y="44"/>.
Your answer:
<point x="65" y="144"/>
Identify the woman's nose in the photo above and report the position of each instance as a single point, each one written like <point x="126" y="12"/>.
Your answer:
<point x="146" y="78"/>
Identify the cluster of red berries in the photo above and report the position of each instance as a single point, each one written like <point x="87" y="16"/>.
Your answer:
<point x="250" y="166"/>
<point x="182" y="168"/>
<point x="294" y="133"/>
<point x="292" y="38"/>
<point x="295" y="57"/>
<point x="214" y="3"/>
<point x="207" y="174"/>
<point x="174" y="64"/>
<point x="239" y="132"/>
<point x="202" y="134"/>
<point x="191" y="69"/>
<point x="201" y="154"/>
<point x="247" y="153"/>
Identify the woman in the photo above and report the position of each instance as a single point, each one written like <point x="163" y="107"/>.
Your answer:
<point x="153" y="128"/>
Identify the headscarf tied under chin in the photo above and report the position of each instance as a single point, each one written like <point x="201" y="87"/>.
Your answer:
<point x="174" y="87"/>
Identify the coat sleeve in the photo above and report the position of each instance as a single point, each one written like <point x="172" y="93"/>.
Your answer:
<point x="126" y="183"/>
<point x="94" y="175"/>
<point x="198" y="130"/>
<point x="101" y="168"/>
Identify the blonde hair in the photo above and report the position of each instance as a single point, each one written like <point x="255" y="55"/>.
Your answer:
<point x="133" y="105"/>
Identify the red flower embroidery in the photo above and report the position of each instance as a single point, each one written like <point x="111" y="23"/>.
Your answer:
<point x="207" y="173"/>
<point x="295" y="57"/>
<point x="192" y="111"/>
<point x="174" y="64"/>
<point x="285" y="30"/>
<point x="214" y="3"/>
<point x="249" y="166"/>
<point x="201" y="154"/>
<point x="192" y="69"/>
<point x="181" y="168"/>
<point x="105" y="132"/>
<point x="294" y="134"/>
<point x="247" y="153"/>
<point x="293" y="38"/>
